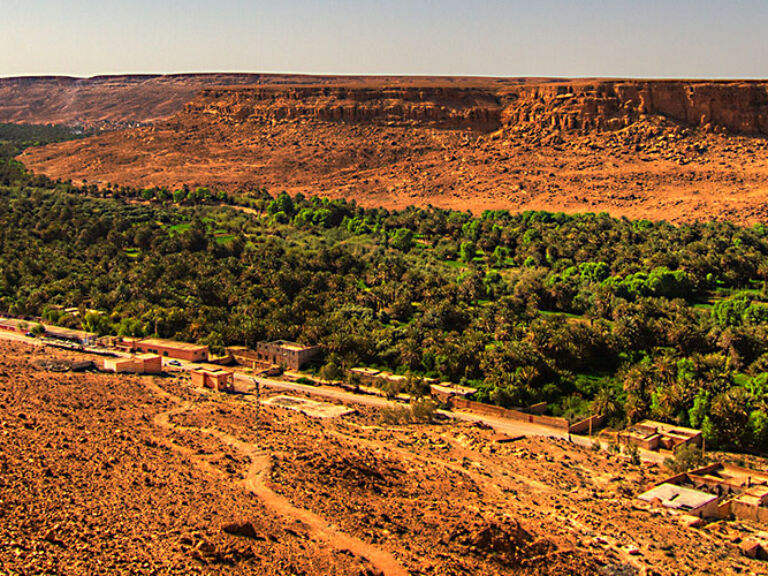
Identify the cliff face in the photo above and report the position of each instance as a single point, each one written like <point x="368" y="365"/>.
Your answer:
<point x="476" y="104"/>
<point x="440" y="107"/>
<point x="738" y="107"/>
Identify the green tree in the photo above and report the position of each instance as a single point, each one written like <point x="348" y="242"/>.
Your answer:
<point x="468" y="251"/>
<point x="402" y="240"/>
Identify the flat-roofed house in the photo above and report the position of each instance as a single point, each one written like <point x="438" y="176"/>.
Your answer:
<point x="166" y="348"/>
<point x="289" y="354"/>
<point x="444" y="391"/>
<point x="140" y="364"/>
<point x="69" y="335"/>
<point x="652" y="435"/>
<point x="688" y="500"/>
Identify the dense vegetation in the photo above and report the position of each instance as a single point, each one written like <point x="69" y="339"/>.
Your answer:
<point x="633" y="319"/>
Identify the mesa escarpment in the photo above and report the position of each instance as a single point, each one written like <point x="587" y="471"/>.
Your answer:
<point x="737" y="107"/>
<point x="109" y="102"/>
<point x="676" y="150"/>
<point x="426" y="106"/>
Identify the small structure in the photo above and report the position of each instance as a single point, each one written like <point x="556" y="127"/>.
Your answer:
<point x="692" y="502"/>
<point x="652" y="435"/>
<point x="444" y="391"/>
<point x="214" y="378"/>
<point x="166" y="348"/>
<point x="284" y="353"/>
<point x="141" y="364"/>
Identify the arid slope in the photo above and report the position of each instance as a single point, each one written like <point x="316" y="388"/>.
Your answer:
<point x="114" y="474"/>
<point x="657" y="149"/>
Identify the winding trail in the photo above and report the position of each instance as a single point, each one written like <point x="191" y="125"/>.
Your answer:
<point x="255" y="482"/>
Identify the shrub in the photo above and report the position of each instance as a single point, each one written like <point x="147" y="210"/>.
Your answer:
<point x="686" y="458"/>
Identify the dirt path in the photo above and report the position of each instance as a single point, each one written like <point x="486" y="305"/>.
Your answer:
<point x="256" y="483"/>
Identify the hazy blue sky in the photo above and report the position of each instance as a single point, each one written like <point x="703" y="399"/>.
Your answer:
<point x="673" y="38"/>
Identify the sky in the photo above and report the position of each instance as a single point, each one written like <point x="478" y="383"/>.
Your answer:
<point x="564" y="38"/>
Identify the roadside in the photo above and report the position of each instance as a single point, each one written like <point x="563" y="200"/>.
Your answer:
<point x="246" y="384"/>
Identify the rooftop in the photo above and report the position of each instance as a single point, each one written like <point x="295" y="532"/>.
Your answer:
<point x="678" y="497"/>
<point x="731" y="475"/>
<point x="160" y="342"/>
<point x="211" y="368"/>
<point x="291" y="345"/>
<point x="68" y="332"/>
<point x="365" y="371"/>
<point x="450" y="388"/>
<point x="666" y="429"/>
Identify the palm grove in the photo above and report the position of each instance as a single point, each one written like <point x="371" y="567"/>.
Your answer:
<point x="588" y="313"/>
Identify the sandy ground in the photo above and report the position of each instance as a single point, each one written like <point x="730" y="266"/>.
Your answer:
<point x="141" y="475"/>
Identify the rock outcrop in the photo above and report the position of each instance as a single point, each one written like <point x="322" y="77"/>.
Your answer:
<point x="441" y="107"/>
<point x="477" y="104"/>
<point x="738" y="107"/>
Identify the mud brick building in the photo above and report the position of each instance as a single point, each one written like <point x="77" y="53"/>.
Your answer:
<point x="715" y="491"/>
<point x="651" y="435"/>
<point x="165" y="348"/>
<point x="288" y="354"/>
<point x="141" y="364"/>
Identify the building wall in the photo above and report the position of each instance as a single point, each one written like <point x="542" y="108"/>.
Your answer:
<point x="134" y="365"/>
<point x="221" y="382"/>
<point x="490" y="410"/>
<point x="186" y="354"/>
<point x="120" y="365"/>
<point x="651" y="443"/>
<point x="593" y="423"/>
<point x="745" y="511"/>
<point x="276" y="354"/>
<point x="198" y="379"/>
<point x="709" y="510"/>
<point x="152" y="365"/>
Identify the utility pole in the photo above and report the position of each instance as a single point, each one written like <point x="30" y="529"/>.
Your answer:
<point x="257" y="384"/>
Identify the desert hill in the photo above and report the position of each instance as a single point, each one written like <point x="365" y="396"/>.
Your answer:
<point x="119" y="474"/>
<point x="677" y="150"/>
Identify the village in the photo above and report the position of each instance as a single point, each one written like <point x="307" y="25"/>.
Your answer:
<point x="717" y="491"/>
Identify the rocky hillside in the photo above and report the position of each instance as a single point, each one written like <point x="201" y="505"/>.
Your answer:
<point x="129" y="475"/>
<point x="677" y="150"/>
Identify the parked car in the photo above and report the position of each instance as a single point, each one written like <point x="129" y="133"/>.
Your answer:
<point x="29" y="335"/>
<point x="174" y="363"/>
